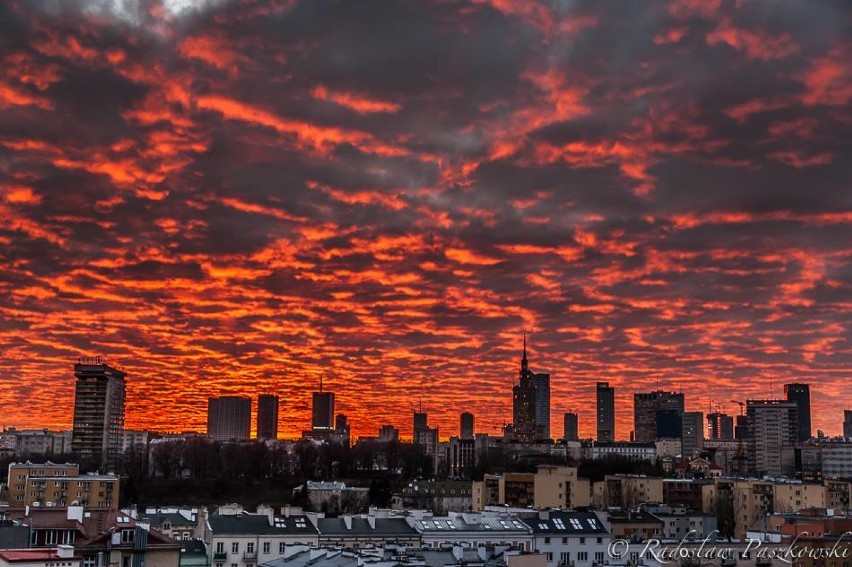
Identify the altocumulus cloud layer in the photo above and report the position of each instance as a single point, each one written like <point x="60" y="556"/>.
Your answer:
<point x="227" y="197"/>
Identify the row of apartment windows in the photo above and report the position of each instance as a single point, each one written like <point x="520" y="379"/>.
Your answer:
<point x="582" y="540"/>
<point x="235" y="547"/>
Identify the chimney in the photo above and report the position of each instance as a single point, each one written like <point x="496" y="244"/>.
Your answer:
<point x="65" y="551"/>
<point x="348" y="521"/>
<point x="75" y="513"/>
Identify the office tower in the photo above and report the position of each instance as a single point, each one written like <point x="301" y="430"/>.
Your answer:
<point x="605" y="412"/>
<point x="267" y="416"/>
<point x="570" y="431"/>
<point x="229" y="418"/>
<point x="741" y="427"/>
<point x="98" y="429"/>
<point x="388" y="434"/>
<point x="668" y="424"/>
<point x="420" y="421"/>
<point x="523" y="403"/>
<point x="773" y="430"/>
<point x="341" y="429"/>
<point x="322" y="410"/>
<point x="692" y="434"/>
<point x="645" y="408"/>
<point x="720" y="426"/>
<point x="541" y="382"/>
<point x="466" y="426"/>
<point x="847" y="423"/>
<point x="800" y="394"/>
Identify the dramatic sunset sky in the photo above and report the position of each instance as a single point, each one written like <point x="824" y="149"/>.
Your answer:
<point x="233" y="197"/>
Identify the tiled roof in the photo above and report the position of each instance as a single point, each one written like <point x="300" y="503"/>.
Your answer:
<point x="361" y="526"/>
<point x="255" y="524"/>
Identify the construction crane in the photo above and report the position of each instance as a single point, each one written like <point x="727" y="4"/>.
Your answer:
<point x="742" y="406"/>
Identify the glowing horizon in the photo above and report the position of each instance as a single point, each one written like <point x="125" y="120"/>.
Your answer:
<point x="230" y="197"/>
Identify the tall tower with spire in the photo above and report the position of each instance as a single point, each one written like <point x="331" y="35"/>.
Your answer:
<point x="524" y="402"/>
<point x="322" y="411"/>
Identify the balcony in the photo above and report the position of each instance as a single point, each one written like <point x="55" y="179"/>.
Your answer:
<point x="220" y="556"/>
<point x="250" y="555"/>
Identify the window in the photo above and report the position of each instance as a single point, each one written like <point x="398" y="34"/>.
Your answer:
<point x="599" y="556"/>
<point x="266" y="547"/>
<point x="565" y="558"/>
<point x="50" y="537"/>
<point x="282" y="547"/>
<point x="549" y="556"/>
<point x="582" y="556"/>
<point x="547" y="540"/>
<point x="564" y="540"/>
<point x="582" y="541"/>
<point x="220" y="547"/>
<point x="250" y="547"/>
<point x="600" y="540"/>
<point x="235" y="547"/>
<point x="89" y="561"/>
<point x="127" y="536"/>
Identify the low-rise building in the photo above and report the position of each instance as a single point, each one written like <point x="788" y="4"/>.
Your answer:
<point x="627" y="491"/>
<point x="356" y="532"/>
<point x="633" y="525"/>
<point x="438" y="496"/>
<point x="51" y="484"/>
<point x="60" y="556"/>
<point x="473" y="529"/>
<point x="570" y="538"/>
<point x="244" y="540"/>
<point x="180" y="524"/>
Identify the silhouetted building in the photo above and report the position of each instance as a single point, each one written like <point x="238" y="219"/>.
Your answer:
<point x="720" y="426"/>
<point x="847" y="423"/>
<point x="645" y="411"/>
<point x="99" y="396"/>
<point x="229" y="418"/>
<point x="605" y="412"/>
<point x="668" y="423"/>
<point x="420" y="422"/>
<point x="523" y="403"/>
<point x="541" y="382"/>
<point x="267" y="416"/>
<point x="388" y="433"/>
<point x="773" y="429"/>
<point x="692" y="433"/>
<point x="466" y="426"/>
<point x="322" y="410"/>
<point x="570" y="430"/>
<point x="800" y="394"/>
<point x="741" y="427"/>
<point x="341" y="429"/>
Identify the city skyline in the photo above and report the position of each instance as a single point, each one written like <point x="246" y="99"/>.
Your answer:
<point x="235" y="198"/>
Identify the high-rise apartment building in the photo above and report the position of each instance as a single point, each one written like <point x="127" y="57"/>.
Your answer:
<point x="605" y="412"/>
<point x="420" y="421"/>
<point x="322" y="410"/>
<point x="800" y="394"/>
<point x="645" y="411"/>
<point x="267" y="416"/>
<point x="570" y="430"/>
<point x="98" y="415"/>
<point x="229" y="418"/>
<point x="466" y="426"/>
<point x="773" y="430"/>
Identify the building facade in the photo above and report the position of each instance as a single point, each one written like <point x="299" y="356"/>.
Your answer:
<point x="648" y="407"/>
<point x="605" y="412"/>
<point x="99" y="397"/>
<point x="267" y="416"/>
<point x="229" y="418"/>
<point x="800" y="394"/>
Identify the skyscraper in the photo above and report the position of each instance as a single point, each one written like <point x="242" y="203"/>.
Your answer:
<point x="267" y="416"/>
<point x="720" y="426"/>
<point x="800" y="394"/>
<point x="99" y="396"/>
<point x="773" y="429"/>
<point x="420" y="422"/>
<point x="229" y="418"/>
<point x="541" y="382"/>
<point x="322" y="410"/>
<point x="605" y="412"/>
<point x="645" y="411"/>
<point x="692" y="435"/>
<point x="523" y="403"/>
<point x="466" y="426"/>
<point x="570" y="430"/>
<point x="847" y="423"/>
